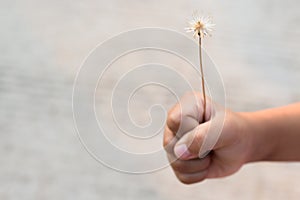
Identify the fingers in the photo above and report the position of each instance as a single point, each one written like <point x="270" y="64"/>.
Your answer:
<point x="182" y="120"/>
<point x="191" y="178"/>
<point x="189" y="166"/>
<point x="185" y="115"/>
<point x="169" y="140"/>
<point x="190" y="144"/>
<point x="188" y="138"/>
<point x="187" y="107"/>
<point x="205" y="137"/>
<point x="190" y="171"/>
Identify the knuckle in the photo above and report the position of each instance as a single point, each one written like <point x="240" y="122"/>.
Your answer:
<point x="178" y="166"/>
<point x="168" y="145"/>
<point x="184" y="179"/>
<point x="187" y="179"/>
<point x="169" y="140"/>
<point x="166" y="141"/>
<point x="172" y="119"/>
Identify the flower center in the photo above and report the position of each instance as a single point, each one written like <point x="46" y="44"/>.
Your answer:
<point x="199" y="26"/>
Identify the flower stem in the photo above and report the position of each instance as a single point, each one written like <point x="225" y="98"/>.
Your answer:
<point x="202" y="78"/>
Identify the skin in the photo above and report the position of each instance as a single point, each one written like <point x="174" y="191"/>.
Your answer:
<point x="267" y="135"/>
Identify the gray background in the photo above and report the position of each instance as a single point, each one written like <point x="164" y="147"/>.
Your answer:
<point x="42" y="43"/>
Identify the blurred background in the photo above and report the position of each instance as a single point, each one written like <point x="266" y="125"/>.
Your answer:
<point x="42" y="43"/>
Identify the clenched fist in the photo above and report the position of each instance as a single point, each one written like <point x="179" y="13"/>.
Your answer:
<point x="200" y="147"/>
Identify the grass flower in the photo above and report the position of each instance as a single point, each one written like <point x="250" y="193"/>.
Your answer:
<point x="201" y="26"/>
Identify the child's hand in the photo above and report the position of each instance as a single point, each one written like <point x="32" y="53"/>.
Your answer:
<point x="186" y="130"/>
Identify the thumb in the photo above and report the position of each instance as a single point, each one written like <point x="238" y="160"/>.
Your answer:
<point x="191" y="145"/>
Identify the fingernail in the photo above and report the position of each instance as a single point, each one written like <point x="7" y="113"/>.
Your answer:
<point x="181" y="151"/>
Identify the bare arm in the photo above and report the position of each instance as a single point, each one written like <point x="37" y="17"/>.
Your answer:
<point x="276" y="133"/>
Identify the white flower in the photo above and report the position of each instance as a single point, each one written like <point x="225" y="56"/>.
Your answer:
<point x="200" y="25"/>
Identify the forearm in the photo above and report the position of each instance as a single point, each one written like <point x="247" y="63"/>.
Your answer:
<point x="275" y="134"/>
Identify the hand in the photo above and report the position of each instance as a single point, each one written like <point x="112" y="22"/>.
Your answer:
<point x="189" y="135"/>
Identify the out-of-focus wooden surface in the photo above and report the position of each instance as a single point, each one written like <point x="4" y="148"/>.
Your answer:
<point x="42" y="43"/>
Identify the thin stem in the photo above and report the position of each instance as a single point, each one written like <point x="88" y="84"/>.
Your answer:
<point x="202" y="78"/>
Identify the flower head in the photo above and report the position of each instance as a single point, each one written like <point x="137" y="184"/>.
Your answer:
<point x="200" y="25"/>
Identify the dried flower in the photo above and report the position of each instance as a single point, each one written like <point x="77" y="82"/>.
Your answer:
<point x="200" y="25"/>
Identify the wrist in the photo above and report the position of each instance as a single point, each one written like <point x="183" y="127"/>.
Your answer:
<point x="260" y="142"/>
